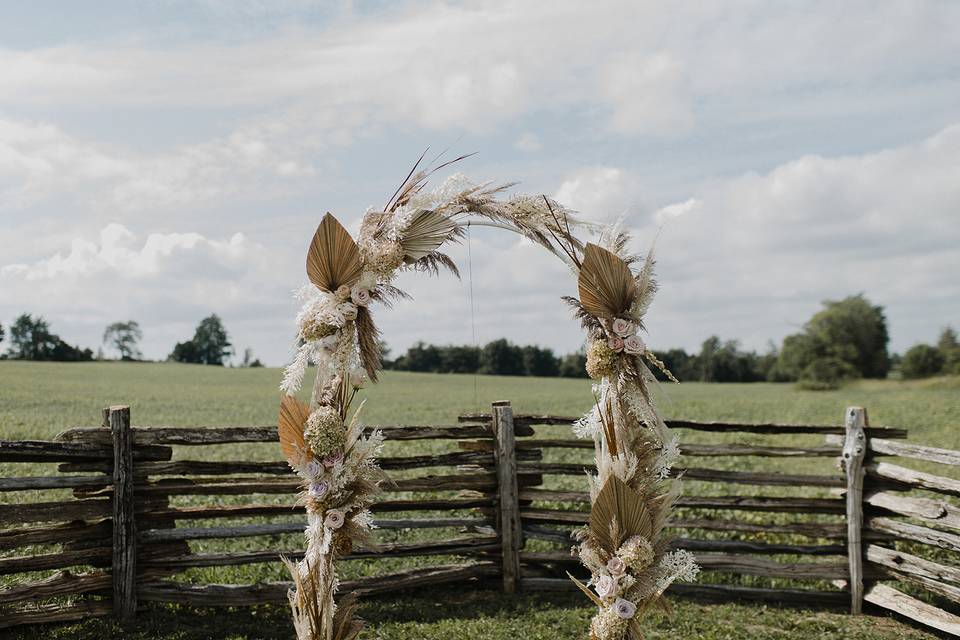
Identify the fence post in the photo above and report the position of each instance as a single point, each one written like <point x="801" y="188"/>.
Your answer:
<point x="508" y="499"/>
<point x="854" y="452"/>
<point x="124" y="527"/>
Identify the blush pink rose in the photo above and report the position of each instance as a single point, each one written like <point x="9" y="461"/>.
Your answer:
<point x="334" y="519"/>
<point x="606" y="586"/>
<point x="624" y="608"/>
<point x="616" y="343"/>
<point x="616" y="566"/>
<point x="360" y="296"/>
<point x="332" y="459"/>
<point x="319" y="489"/>
<point x="622" y="328"/>
<point x="634" y="345"/>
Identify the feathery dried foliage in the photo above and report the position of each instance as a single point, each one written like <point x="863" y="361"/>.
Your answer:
<point x="590" y="324"/>
<point x="426" y="232"/>
<point x="432" y="263"/>
<point x="606" y="286"/>
<point x="333" y="258"/>
<point x="368" y="342"/>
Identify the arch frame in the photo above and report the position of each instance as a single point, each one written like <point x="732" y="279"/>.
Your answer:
<point x="623" y="545"/>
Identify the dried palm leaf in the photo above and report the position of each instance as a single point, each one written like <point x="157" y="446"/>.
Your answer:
<point x="426" y="232"/>
<point x="607" y="288"/>
<point x="345" y="626"/>
<point x="293" y="415"/>
<point x="333" y="259"/>
<point x="617" y="503"/>
<point x="590" y="594"/>
<point x="368" y="341"/>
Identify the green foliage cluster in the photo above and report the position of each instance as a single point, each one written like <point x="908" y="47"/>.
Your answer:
<point x="500" y="357"/>
<point x="124" y="337"/>
<point x="210" y="344"/>
<point x="32" y="339"/>
<point x="924" y="360"/>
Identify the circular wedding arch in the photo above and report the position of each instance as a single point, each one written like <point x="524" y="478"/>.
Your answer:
<point x="325" y="443"/>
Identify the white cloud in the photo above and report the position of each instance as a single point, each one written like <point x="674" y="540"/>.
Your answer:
<point x="752" y="256"/>
<point x="600" y="193"/>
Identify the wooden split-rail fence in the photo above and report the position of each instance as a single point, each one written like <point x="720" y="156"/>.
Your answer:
<point x="492" y="499"/>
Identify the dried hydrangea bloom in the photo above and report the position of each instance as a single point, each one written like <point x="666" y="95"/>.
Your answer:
<point x="601" y="360"/>
<point x="608" y="625"/>
<point x="324" y="431"/>
<point x="637" y="553"/>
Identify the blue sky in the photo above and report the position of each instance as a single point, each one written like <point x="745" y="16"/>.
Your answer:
<point x="160" y="161"/>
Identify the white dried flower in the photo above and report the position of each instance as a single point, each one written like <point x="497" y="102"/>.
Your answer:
<point x="334" y="519"/>
<point x="348" y="310"/>
<point x="606" y="586"/>
<point x="360" y="296"/>
<point x="623" y="328"/>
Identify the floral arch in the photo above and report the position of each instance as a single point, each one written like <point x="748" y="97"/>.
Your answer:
<point x="623" y="545"/>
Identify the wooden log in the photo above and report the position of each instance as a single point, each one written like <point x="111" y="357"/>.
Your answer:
<point x="47" y="613"/>
<point x="456" y="547"/>
<point x="721" y="546"/>
<point x="705" y="475"/>
<point x="43" y="451"/>
<point x="854" y="453"/>
<point x="917" y="610"/>
<point x="936" y="512"/>
<point x="912" y="478"/>
<point x="51" y="482"/>
<point x="910" y="564"/>
<point x="742" y="565"/>
<point x="124" y="567"/>
<point x="60" y="583"/>
<point x="65" y="511"/>
<point x="724" y="450"/>
<point x="763" y="428"/>
<point x="915" y="451"/>
<point x="716" y="593"/>
<point x="45" y="561"/>
<point x="213" y="595"/>
<point x="98" y="530"/>
<point x="508" y="503"/>
<point x="915" y="533"/>
<point x="737" y="503"/>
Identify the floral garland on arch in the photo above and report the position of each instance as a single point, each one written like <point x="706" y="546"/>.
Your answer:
<point x="326" y="445"/>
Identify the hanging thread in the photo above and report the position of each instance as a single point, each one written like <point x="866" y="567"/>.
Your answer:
<point x="473" y="316"/>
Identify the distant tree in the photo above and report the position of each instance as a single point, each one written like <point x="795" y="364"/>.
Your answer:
<point x="2" y="333"/>
<point x="574" y="365"/>
<point x="502" y="358"/>
<point x="249" y="362"/>
<point x="124" y="337"/>
<point x="826" y="373"/>
<point x="210" y="344"/>
<point x="949" y="347"/>
<point x="922" y="361"/>
<point x="31" y="339"/>
<point x="459" y="359"/>
<point x="538" y="361"/>
<point x="851" y="330"/>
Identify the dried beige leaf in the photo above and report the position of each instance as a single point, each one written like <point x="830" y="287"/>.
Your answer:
<point x="607" y="288"/>
<point x="618" y="513"/>
<point x="293" y="415"/>
<point x="333" y="259"/>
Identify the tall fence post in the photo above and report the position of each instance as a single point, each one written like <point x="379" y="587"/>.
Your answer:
<point x="124" y="525"/>
<point x="508" y="499"/>
<point x="854" y="452"/>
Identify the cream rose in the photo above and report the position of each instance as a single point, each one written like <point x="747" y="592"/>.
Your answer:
<point x="623" y="328"/>
<point x="360" y="296"/>
<point x="332" y="459"/>
<point x="319" y="489"/>
<point x="616" y="566"/>
<point x="616" y="343"/>
<point x="342" y="293"/>
<point x="348" y="310"/>
<point x="334" y="519"/>
<point x="606" y="586"/>
<point x="634" y="345"/>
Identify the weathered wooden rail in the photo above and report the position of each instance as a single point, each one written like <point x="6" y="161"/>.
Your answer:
<point x="499" y="500"/>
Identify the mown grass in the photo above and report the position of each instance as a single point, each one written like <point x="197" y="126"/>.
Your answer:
<point x="38" y="400"/>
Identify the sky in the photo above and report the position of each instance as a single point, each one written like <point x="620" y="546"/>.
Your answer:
<point x="161" y="161"/>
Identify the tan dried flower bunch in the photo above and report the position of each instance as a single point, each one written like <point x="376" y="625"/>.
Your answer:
<point x="336" y="332"/>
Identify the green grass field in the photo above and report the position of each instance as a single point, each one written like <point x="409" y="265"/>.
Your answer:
<point x="37" y="400"/>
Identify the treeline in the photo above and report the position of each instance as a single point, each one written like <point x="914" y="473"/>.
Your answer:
<point x="500" y="357"/>
<point x="32" y="339"/>
<point x="942" y="359"/>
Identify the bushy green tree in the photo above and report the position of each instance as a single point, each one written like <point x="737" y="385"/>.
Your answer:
<point x="210" y="344"/>
<point x="32" y="339"/>
<point x="922" y="361"/>
<point x="574" y="365"/>
<point x="459" y="359"/>
<point x="538" y="361"/>
<point x="124" y="337"/>
<point x="502" y="358"/>
<point x="949" y="348"/>
<point x="851" y="330"/>
<point x="825" y="373"/>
